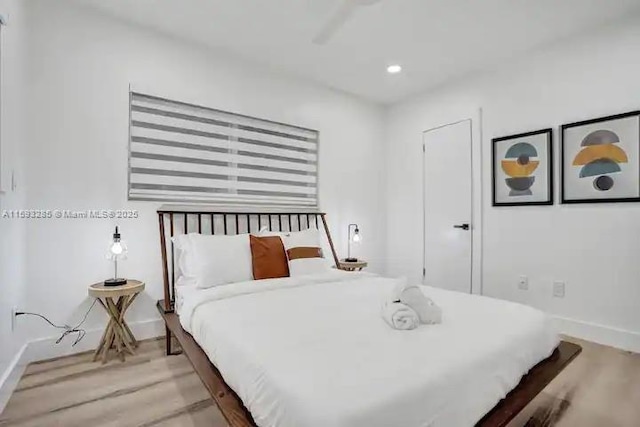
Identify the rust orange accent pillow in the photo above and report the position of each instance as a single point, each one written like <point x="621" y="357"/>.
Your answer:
<point x="304" y="252"/>
<point x="268" y="257"/>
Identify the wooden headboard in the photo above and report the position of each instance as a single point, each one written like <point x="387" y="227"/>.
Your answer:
<point x="181" y="221"/>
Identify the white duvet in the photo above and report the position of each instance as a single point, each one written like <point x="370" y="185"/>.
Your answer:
<point x="315" y="352"/>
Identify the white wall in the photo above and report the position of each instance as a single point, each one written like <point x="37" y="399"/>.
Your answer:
<point x="594" y="248"/>
<point x="83" y="63"/>
<point x="12" y="139"/>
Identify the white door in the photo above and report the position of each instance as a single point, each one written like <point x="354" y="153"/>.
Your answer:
<point x="448" y="206"/>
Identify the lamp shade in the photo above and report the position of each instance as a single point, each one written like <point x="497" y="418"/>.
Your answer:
<point x="117" y="249"/>
<point x="355" y="238"/>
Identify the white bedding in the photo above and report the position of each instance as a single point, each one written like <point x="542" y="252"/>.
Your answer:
<point x="314" y="352"/>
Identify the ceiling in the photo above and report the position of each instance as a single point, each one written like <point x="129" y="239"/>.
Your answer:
<point x="434" y="40"/>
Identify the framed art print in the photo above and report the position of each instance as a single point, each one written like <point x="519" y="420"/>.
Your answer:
<point x="523" y="169"/>
<point x="601" y="160"/>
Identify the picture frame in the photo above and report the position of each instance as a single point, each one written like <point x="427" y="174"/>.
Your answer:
<point x="600" y="160"/>
<point x="522" y="169"/>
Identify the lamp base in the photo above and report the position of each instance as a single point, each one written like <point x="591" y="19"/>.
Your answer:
<point x="115" y="282"/>
<point x="351" y="259"/>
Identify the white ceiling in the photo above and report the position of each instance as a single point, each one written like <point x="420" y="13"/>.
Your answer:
<point x="434" y="40"/>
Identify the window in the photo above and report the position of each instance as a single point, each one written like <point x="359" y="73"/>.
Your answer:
<point x="186" y="153"/>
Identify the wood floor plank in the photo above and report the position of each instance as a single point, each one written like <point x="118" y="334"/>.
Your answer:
<point x="147" y="349"/>
<point x="161" y="400"/>
<point x="600" y="388"/>
<point x="209" y="416"/>
<point x="95" y="385"/>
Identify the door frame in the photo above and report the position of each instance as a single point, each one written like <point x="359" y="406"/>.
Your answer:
<point x="475" y="119"/>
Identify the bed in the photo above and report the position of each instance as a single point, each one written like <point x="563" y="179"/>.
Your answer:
<point x="313" y="351"/>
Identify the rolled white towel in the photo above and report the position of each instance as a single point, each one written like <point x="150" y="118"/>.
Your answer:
<point x="411" y="295"/>
<point x="401" y="285"/>
<point x="427" y="310"/>
<point x="400" y="316"/>
<point x="432" y="315"/>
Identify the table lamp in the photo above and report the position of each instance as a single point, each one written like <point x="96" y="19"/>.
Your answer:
<point x="355" y="238"/>
<point x="117" y="250"/>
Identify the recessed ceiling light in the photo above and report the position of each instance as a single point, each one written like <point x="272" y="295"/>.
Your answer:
<point x="394" y="69"/>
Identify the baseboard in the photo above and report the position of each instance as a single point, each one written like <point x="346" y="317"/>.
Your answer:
<point x="606" y="335"/>
<point x="46" y="348"/>
<point x="11" y="376"/>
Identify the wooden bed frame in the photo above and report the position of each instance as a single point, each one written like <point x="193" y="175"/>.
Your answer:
<point x="181" y="221"/>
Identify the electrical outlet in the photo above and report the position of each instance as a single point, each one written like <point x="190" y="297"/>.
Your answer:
<point x="558" y="289"/>
<point x="523" y="283"/>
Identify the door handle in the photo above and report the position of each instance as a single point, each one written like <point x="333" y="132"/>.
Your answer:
<point x="462" y="226"/>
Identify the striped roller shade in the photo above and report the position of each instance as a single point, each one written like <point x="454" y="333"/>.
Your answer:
<point x="187" y="153"/>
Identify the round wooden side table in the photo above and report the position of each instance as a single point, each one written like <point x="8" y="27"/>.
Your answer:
<point x="353" y="265"/>
<point x="116" y="300"/>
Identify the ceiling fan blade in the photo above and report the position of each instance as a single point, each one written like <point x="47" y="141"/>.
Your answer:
<point x="336" y="21"/>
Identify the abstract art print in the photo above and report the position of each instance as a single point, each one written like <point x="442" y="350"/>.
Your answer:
<point x="523" y="169"/>
<point x="601" y="160"/>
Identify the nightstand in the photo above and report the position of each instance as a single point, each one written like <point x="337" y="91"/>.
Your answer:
<point x="352" y="265"/>
<point x="116" y="300"/>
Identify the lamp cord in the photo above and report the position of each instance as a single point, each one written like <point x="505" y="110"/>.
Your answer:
<point x="67" y="329"/>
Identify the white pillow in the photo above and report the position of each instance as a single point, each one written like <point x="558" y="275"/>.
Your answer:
<point x="303" y="266"/>
<point x="185" y="262"/>
<point x="222" y="259"/>
<point x="266" y="233"/>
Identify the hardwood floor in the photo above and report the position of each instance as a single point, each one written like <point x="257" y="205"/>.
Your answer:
<point x="600" y="388"/>
<point x="148" y="389"/>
